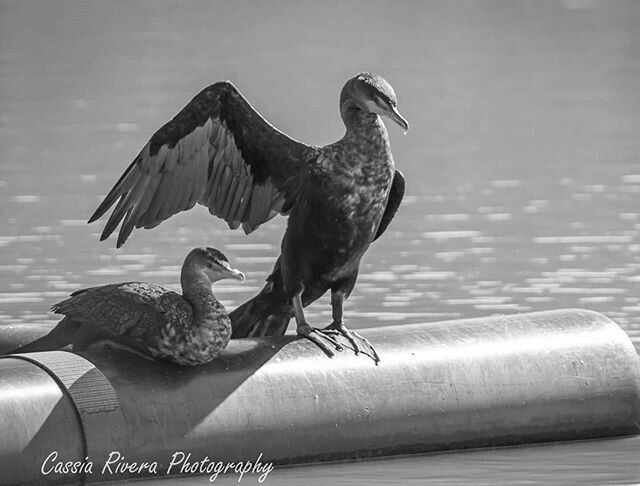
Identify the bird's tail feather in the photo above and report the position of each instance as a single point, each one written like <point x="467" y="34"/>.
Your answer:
<point x="266" y="314"/>
<point x="59" y="337"/>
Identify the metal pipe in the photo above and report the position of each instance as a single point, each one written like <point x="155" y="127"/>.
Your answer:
<point x="36" y="418"/>
<point x="503" y="380"/>
<point x="13" y="336"/>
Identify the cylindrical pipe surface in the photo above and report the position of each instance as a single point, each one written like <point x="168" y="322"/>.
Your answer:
<point x="13" y="336"/>
<point x="493" y="381"/>
<point x="36" y="420"/>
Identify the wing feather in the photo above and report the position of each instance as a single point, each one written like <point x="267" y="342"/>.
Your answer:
<point x="151" y="215"/>
<point x="121" y="187"/>
<point x="244" y="203"/>
<point x="135" y="194"/>
<point x="393" y="203"/>
<point x="214" y="133"/>
<point x="260" y="206"/>
<point x="200" y="185"/>
<point x="191" y="172"/>
<point x="171" y="195"/>
<point x="217" y="151"/>
<point x="228" y="200"/>
<point x="214" y="180"/>
<point x="145" y="201"/>
<point x="160" y="159"/>
<point x="172" y="159"/>
<point x="125" y="308"/>
<point x="225" y="181"/>
<point x="234" y="202"/>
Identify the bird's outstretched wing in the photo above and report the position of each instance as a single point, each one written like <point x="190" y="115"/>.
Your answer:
<point x="218" y="151"/>
<point x="393" y="203"/>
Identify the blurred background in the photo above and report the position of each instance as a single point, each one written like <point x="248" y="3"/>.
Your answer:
<point x="522" y="164"/>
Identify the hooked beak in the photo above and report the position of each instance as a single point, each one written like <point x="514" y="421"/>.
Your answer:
<point x="227" y="272"/>
<point x="395" y="115"/>
<point x="235" y="274"/>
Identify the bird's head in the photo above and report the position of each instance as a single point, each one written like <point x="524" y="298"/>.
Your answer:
<point x="372" y="93"/>
<point x="213" y="263"/>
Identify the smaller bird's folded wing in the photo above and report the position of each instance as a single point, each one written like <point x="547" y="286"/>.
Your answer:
<point x="393" y="203"/>
<point x="218" y="151"/>
<point x="128" y="308"/>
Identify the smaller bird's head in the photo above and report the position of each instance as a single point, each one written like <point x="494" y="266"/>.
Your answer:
<point x="213" y="263"/>
<point x="372" y="93"/>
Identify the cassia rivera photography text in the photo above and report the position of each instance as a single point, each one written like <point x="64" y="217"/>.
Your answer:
<point x="115" y="464"/>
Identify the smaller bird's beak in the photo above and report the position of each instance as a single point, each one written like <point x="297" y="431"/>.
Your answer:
<point x="395" y="115"/>
<point x="235" y="274"/>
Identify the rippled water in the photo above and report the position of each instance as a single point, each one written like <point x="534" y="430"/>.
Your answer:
<point x="522" y="158"/>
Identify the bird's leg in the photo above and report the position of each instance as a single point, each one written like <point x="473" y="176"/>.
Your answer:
<point x="316" y="336"/>
<point x="338" y="327"/>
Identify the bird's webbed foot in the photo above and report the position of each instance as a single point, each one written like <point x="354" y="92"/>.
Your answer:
<point x="320" y="338"/>
<point x="360" y="344"/>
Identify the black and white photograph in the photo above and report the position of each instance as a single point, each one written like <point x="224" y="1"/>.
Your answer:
<point x="360" y="242"/>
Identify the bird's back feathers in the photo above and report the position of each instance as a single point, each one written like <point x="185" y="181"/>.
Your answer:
<point x="129" y="308"/>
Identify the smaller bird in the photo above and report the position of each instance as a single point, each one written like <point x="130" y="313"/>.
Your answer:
<point x="147" y="319"/>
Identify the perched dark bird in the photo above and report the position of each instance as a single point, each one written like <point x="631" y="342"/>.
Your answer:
<point x="218" y="151"/>
<point x="147" y="319"/>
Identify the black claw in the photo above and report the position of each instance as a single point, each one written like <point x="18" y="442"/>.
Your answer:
<point x="321" y="345"/>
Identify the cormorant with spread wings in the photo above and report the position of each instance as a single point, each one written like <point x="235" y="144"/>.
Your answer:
<point x="218" y="151"/>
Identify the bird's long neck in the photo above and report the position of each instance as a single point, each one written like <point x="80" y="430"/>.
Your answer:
<point x="366" y="128"/>
<point x="366" y="135"/>
<point x="196" y="289"/>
